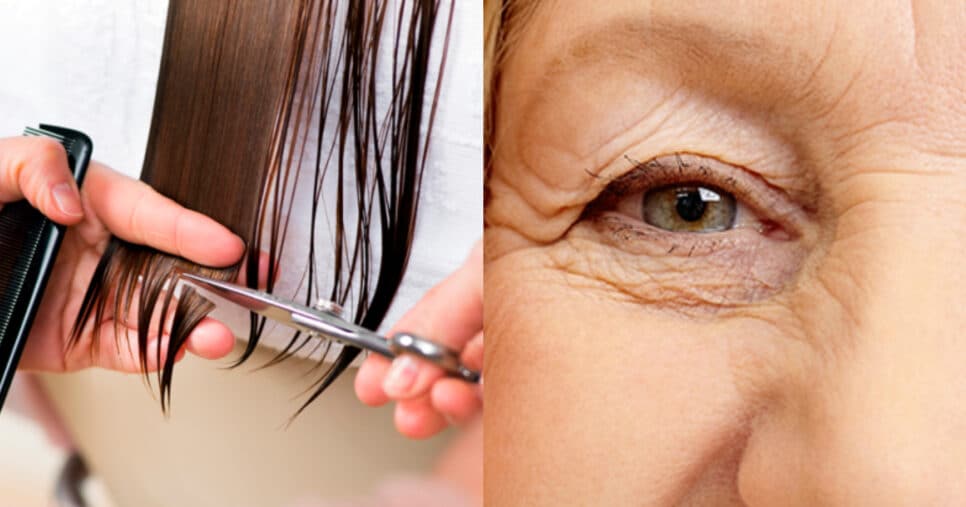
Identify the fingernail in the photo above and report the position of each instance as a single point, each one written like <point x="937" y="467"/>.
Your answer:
<point x="401" y="376"/>
<point x="67" y="199"/>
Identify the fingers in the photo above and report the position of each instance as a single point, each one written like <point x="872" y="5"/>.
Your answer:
<point x="35" y="168"/>
<point x="118" y="349"/>
<point x="263" y="260"/>
<point x="133" y="211"/>
<point x="211" y="340"/>
<point x="451" y="313"/>
<point x="458" y="401"/>
<point x="115" y="350"/>
<point x="450" y="401"/>
<point x="368" y="382"/>
<point x="408" y="377"/>
<point x="416" y="419"/>
<point x="472" y="355"/>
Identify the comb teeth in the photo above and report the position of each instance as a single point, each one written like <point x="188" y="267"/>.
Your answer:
<point x="20" y="235"/>
<point x="31" y="132"/>
<point x="36" y="132"/>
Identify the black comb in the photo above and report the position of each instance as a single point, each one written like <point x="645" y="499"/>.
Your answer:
<point x="28" y="248"/>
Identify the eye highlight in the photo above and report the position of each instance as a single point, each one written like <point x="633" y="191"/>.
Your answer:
<point x="689" y="208"/>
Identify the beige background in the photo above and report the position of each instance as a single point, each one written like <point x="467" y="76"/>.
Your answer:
<point x="226" y="443"/>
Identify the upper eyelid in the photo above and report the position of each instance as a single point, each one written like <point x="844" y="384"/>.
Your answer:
<point x="660" y="167"/>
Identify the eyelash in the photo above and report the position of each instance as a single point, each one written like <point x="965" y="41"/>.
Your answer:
<point x="774" y="216"/>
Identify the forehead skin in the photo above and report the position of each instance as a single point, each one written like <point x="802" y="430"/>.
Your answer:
<point x="857" y="109"/>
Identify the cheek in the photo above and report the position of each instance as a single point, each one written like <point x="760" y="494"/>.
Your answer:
<point x="591" y="390"/>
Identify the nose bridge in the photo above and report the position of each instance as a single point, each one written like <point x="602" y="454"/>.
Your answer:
<point x="909" y="309"/>
<point x="902" y="295"/>
<point x="894" y="404"/>
<point x="907" y="331"/>
<point x="892" y="414"/>
<point x="881" y="417"/>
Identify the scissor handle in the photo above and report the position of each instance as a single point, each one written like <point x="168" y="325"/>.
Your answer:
<point x="442" y="356"/>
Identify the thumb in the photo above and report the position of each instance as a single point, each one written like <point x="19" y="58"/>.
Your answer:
<point x="35" y="168"/>
<point x="450" y="314"/>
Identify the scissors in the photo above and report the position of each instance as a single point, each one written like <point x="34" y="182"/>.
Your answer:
<point x="325" y="319"/>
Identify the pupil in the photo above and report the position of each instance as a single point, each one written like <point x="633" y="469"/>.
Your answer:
<point x="690" y="206"/>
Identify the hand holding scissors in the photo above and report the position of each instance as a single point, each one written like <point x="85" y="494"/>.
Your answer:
<point x="426" y="400"/>
<point x="325" y="320"/>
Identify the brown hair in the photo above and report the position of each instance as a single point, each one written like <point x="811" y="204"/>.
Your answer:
<point x="241" y="82"/>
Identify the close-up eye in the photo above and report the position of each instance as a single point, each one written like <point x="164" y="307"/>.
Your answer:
<point x="685" y="194"/>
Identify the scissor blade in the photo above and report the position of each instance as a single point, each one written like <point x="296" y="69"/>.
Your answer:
<point x="293" y="314"/>
<point x="254" y="300"/>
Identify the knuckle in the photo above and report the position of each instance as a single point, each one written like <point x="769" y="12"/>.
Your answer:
<point x="10" y="182"/>
<point x="45" y="151"/>
<point x="178" y="235"/>
<point x="42" y="162"/>
<point x="43" y="158"/>
<point x="135" y="217"/>
<point x="25" y="159"/>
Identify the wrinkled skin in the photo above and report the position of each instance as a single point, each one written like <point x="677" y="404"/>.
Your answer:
<point x="818" y="361"/>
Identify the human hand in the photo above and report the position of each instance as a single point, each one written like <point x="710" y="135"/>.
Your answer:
<point x="36" y="168"/>
<point x="427" y="400"/>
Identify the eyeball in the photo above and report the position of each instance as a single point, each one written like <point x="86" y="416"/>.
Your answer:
<point x="689" y="208"/>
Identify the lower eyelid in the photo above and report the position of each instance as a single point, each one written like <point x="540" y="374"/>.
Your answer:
<point x="641" y="238"/>
<point x="715" y="270"/>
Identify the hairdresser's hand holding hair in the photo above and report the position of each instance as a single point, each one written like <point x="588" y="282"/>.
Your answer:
<point x="110" y="203"/>
<point x="427" y="401"/>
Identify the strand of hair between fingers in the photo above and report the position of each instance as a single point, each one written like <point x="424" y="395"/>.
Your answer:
<point x="230" y="139"/>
